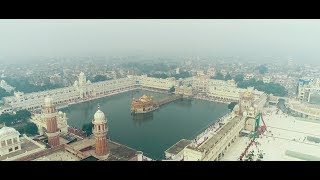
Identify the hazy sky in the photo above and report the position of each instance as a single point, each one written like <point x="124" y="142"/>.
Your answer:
<point x="299" y="39"/>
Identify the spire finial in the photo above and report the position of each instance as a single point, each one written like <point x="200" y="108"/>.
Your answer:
<point x="98" y="106"/>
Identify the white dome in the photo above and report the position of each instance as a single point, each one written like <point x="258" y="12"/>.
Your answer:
<point x="48" y="101"/>
<point x="6" y="131"/>
<point x="81" y="74"/>
<point x="99" y="117"/>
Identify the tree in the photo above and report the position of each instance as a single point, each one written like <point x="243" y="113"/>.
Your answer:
<point x="239" y="78"/>
<point x="262" y="69"/>
<point x="87" y="128"/>
<point x="219" y="76"/>
<point x="228" y="77"/>
<point x="172" y="89"/>
<point x="99" y="78"/>
<point x="162" y="75"/>
<point x="23" y="115"/>
<point x="232" y="105"/>
<point x="4" y="93"/>
<point x="7" y="118"/>
<point x="269" y="88"/>
<point x="183" y="74"/>
<point x="29" y="128"/>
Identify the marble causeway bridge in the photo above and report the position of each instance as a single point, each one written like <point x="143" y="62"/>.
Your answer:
<point x="168" y="100"/>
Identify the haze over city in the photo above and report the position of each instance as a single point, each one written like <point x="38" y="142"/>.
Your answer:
<point x="257" y="39"/>
<point x="159" y="90"/>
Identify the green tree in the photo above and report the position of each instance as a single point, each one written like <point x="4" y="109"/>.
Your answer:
<point x="99" y="78"/>
<point x="162" y="75"/>
<point x="239" y="78"/>
<point x="269" y="88"/>
<point x="7" y="118"/>
<point x="183" y="74"/>
<point x="172" y="89"/>
<point x="262" y="69"/>
<point x="23" y="115"/>
<point x="4" y="93"/>
<point x="228" y="77"/>
<point x="232" y="105"/>
<point x="219" y="76"/>
<point x="29" y="128"/>
<point x="87" y="128"/>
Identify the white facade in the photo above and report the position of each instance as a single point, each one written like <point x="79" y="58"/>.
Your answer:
<point x="81" y="90"/>
<point x="308" y="90"/>
<point x="184" y="90"/>
<point x="151" y="82"/>
<point x="211" y="72"/>
<point x="5" y="86"/>
<point x="177" y="70"/>
<point x="224" y="90"/>
<point x="266" y="79"/>
<point x="40" y="121"/>
<point x="249" y="76"/>
<point x="4" y="109"/>
<point x="9" y="141"/>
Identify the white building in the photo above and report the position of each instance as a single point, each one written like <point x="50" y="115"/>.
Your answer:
<point x="5" y="86"/>
<point x="177" y="70"/>
<point x="248" y="76"/>
<point x="157" y="83"/>
<point x="40" y="121"/>
<point x="211" y="72"/>
<point x="83" y="90"/>
<point x="309" y="90"/>
<point x="266" y="79"/>
<point x="9" y="141"/>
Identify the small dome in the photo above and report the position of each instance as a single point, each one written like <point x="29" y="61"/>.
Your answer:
<point x="7" y="131"/>
<point x="99" y="117"/>
<point x="81" y="74"/>
<point x="251" y="109"/>
<point x="48" y="101"/>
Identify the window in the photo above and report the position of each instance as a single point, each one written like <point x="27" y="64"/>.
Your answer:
<point x="3" y="143"/>
<point x="9" y="141"/>
<point x="16" y="148"/>
<point x="10" y="149"/>
<point x="15" y="140"/>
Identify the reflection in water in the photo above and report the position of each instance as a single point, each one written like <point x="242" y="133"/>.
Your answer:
<point x="183" y="103"/>
<point x="138" y="119"/>
<point x="152" y="132"/>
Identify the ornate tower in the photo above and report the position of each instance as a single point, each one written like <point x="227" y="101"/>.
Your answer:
<point x="100" y="130"/>
<point x="51" y="119"/>
<point x="82" y="79"/>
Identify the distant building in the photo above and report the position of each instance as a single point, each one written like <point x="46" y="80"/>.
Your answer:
<point x="211" y="72"/>
<point x="5" y="86"/>
<point x="9" y="141"/>
<point x="49" y="111"/>
<point x="178" y="71"/>
<point x="266" y="79"/>
<point x="248" y="76"/>
<point x="309" y="90"/>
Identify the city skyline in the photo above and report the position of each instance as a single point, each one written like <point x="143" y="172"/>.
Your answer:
<point x="248" y="38"/>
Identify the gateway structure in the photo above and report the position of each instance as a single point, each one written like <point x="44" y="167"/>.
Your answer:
<point x="83" y="90"/>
